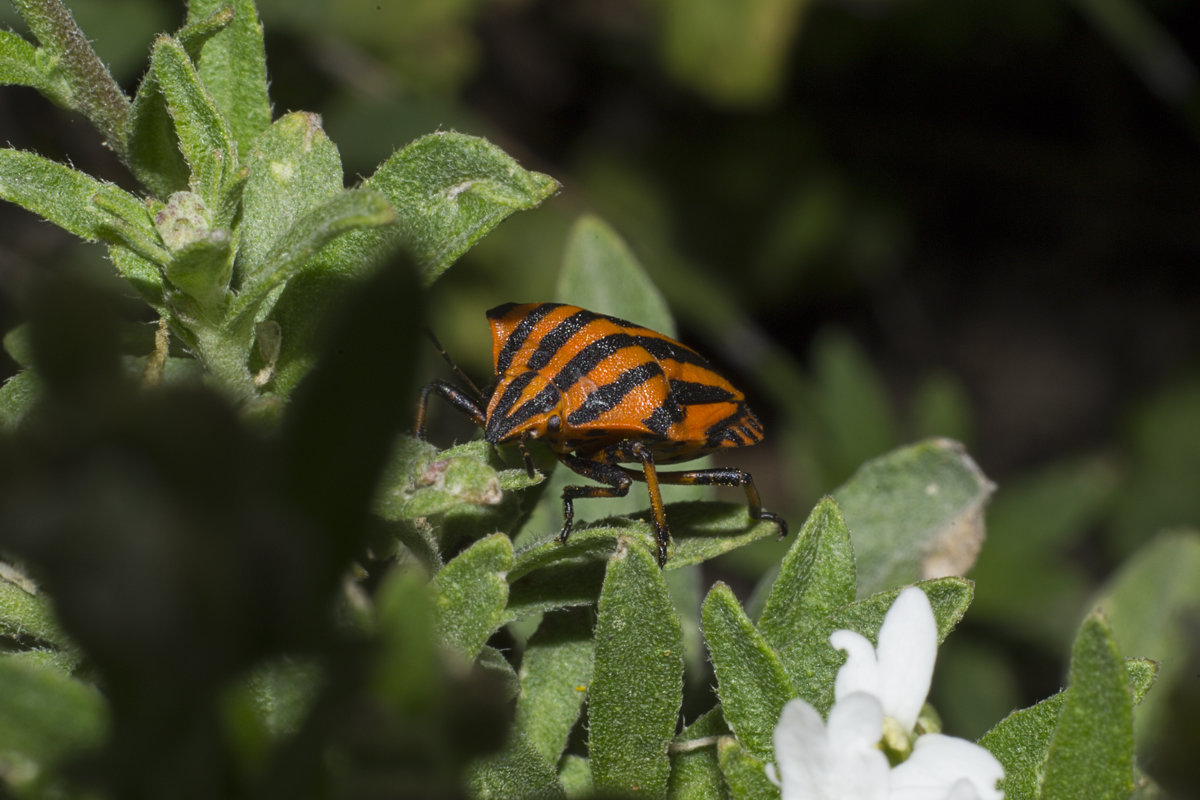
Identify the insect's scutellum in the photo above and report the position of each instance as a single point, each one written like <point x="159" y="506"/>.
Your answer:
<point x="601" y="391"/>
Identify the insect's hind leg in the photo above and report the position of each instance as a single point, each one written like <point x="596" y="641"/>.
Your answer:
<point x="721" y="476"/>
<point x="617" y="486"/>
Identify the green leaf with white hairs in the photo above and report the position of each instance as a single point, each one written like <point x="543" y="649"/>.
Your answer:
<point x="68" y="197"/>
<point x="699" y="531"/>
<point x="204" y="136"/>
<point x="25" y="612"/>
<point x="915" y="513"/>
<point x="470" y="593"/>
<point x="599" y="272"/>
<point x="695" y="768"/>
<point x="575" y="773"/>
<point x="751" y="682"/>
<point x="154" y="154"/>
<point x="23" y="64"/>
<point x="1021" y="741"/>
<point x="18" y="395"/>
<point x="812" y="663"/>
<point x="449" y="190"/>
<point x="516" y="771"/>
<point x="745" y="775"/>
<point x="232" y="64"/>
<point x="815" y="578"/>
<point x="348" y="210"/>
<point x="293" y="169"/>
<point x="555" y="673"/>
<point x="1091" y="752"/>
<point x="637" y="686"/>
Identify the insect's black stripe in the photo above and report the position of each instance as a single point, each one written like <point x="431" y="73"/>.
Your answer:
<point x="663" y="348"/>
<point x="608" y="396"/>
<point x="721" y="430"/>
<point x="747" y="434"/>
<point x="519" y="334"/>
<point x="663" y="417"/>
<point x="583" y="362"/>
<point x="549" y="345"/>
<point x="690" y="393"/>
<point x="504" y="417"/>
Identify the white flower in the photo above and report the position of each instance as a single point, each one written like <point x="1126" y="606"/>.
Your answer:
<point x="878" y="689"/>
<point x="899" y="669"/>
<point x="838" y="761"/>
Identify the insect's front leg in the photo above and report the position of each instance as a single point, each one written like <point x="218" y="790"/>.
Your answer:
<point x="456" y="397"/>
<point x="618" y="486"/>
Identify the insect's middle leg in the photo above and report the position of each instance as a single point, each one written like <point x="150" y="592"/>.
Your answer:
<point x="618" y="480"/>
<point x="618" y="486"/>
<point x="720" y="476"/>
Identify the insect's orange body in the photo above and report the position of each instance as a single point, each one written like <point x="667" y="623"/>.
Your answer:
<point x="608" y="381"/>
<point x="601" y="391"/>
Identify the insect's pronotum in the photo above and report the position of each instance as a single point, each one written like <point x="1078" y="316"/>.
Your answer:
<point x="600" y="392"/>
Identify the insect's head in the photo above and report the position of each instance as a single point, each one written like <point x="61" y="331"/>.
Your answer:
<point x="526" y="405"/>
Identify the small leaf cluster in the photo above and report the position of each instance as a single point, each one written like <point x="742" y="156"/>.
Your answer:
<point x="243" y="232"/>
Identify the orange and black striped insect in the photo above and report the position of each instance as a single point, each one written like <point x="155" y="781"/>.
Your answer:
<point x="600" y="392"/>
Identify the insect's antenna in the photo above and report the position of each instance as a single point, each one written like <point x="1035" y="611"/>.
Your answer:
<point x="462" y="376"/>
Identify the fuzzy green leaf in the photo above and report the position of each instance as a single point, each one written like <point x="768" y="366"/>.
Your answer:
<point x="555" y="672"/>
<point x="405" y="674"/>
<point x="751" y="681"/>
<point x="233" y="66"/>
<point x="348" y="210"/>
<point x="695" y="769"/>
<point x="79" y="77"/>
<point x="600" y="273"/>
<point x="1152" y="603"/>
<point x="204" y="137"/>
<point x="576" y="776"/>
<point x="745" y="775"/>
<point x="815" y="578"/>
<point x="449" y="190"/>
<point x="67" y="197"/>
<point x="1091" y="754"/>
<point x="1021" y="740"/>
<point x="915" y="513"/>
<point x="812" y="663"/>
<point x="637" y="686"/>
<point x="26" y="613"/>
<point x="699" y="531"/>
<point x="567" y="585"/>
<point x="22" y="64"/>
<point x="154" y="154"/>
<point x="470" y="593"/>
<point x="516" y="771"/>
<point x="294" y="168"/>
<point x="45" y="716"/>
<point x="18" y="396"/>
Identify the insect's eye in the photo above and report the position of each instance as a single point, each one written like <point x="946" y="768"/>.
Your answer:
<point x="554" y="423"/>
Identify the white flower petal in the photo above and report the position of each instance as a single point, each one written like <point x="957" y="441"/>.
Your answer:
<point x="860" y="673"/>
<point x="938" y="763"/>
<point x="906" y="652"/>
<point x="801" y="751"/>
<point x="838" y="762"/>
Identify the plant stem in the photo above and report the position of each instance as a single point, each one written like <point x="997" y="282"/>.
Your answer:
<point x="94" y="91"/>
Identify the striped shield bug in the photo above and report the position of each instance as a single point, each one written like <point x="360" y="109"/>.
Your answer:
<point x="601" y="392"/>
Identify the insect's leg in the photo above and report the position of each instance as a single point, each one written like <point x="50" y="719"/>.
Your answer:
<point x="525" y="457"/>
<point x="727" y="477"/>
<point x="456" y="397"/>
<point x="618" y="486"/>
<point x="662" y="535"/>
